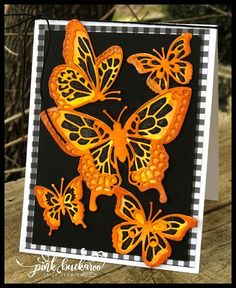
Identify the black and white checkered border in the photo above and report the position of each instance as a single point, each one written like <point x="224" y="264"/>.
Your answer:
<point x="204" y="35"/>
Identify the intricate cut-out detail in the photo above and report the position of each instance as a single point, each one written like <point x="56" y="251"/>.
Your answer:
<point x="163" y="66"/>
<point x="141" y="140"/>
<point x="99" y="181"/>
<point x="55" y="203"/>
<point x="150" y="175"/>
<point x="155" y="123"/>
<point x="152" y="233"/>
<point x="84" y="78"/>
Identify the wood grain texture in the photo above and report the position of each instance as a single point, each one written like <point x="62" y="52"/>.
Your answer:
<point x="216" y="242"/>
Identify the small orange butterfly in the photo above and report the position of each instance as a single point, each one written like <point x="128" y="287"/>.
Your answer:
<point x="84" y="78"/>
<point x="55" y="203"/>
<point x="163" y="66"/>
<point x="140" y="141"/>
<point x="153" y="234"/>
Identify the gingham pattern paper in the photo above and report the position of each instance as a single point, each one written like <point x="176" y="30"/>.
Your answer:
<point x="96" y="27"/>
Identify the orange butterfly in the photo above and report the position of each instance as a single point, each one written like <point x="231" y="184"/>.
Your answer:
<point x="152" y="233"/>
<point x="163" y="66"/>
<point x="84" y="78"/>
<point x="140" y="141"/>
<point x="55" y="203"/>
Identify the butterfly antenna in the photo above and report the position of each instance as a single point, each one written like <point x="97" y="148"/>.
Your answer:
<point x="163" y="52"/>
<point x="108" y="115"/>
<point x="121" y="113"/>
<point x="158" y="54"/>
<point x="150" y="213"/>
<point x="54" y="187"/>
<point x="159" y="212"/>
<point x="61" y="188"/>
<point x="83" y="224"/>
<point x="113" y="92"/>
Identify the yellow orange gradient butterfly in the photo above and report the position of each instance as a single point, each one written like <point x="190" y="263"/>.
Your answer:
<point x="57" y="202"/>
<point x="84" y="78"/>
<point x="140" y="142"/>
<point x="153" y="234"/>
<point x="162" y="67"/>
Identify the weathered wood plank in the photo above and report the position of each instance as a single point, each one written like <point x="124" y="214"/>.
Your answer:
<point x="127" y="274"/>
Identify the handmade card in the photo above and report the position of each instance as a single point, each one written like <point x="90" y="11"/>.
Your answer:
<point x="118" y="143"/>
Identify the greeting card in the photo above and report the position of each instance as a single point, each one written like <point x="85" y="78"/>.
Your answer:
<point x="121" y="118"/>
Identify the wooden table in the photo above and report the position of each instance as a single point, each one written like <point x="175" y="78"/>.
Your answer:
<point x="216" y="243"/>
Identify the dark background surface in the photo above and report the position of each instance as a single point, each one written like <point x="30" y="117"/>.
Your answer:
<point x="54" y="164"/>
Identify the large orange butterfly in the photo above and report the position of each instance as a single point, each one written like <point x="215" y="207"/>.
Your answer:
<point x="84" y="77"/>
<point x="140" y="141"/>
<point x="163" y="66"/>
<point x="55" y="203"/>
<point x="153" y="234"/>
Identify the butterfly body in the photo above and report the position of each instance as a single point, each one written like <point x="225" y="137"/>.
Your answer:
<point x="118" y="136"/>
<point x="149" y="225"/>
<point x="61" y="202"/>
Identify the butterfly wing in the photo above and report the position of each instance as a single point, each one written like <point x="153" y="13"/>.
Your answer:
<point x="147" y="166"/>
<point x="73" y="131"/>
<point x="72" y="196"/>
<point x="155" y="123"/>
<point x="109" y="64"/>
<point x="99" y="170"/>
<point x="69" y="87"/>
<point x="161" y="118"/>
<point x="158" y="80"/>
<point x="180" y="47"/>
<point x="144" y="62"/>
<point x="181" y="71"/>
<point x="127" y="235"/>
<point x="174" y="226"/>
<point x="88" y="137"/>
<point x="78" y="50"/>
<point x="76" y="83"/>
<point x="48" y="200"/>
<point x="155" y="249"/>
<point x="128" y="207"/>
